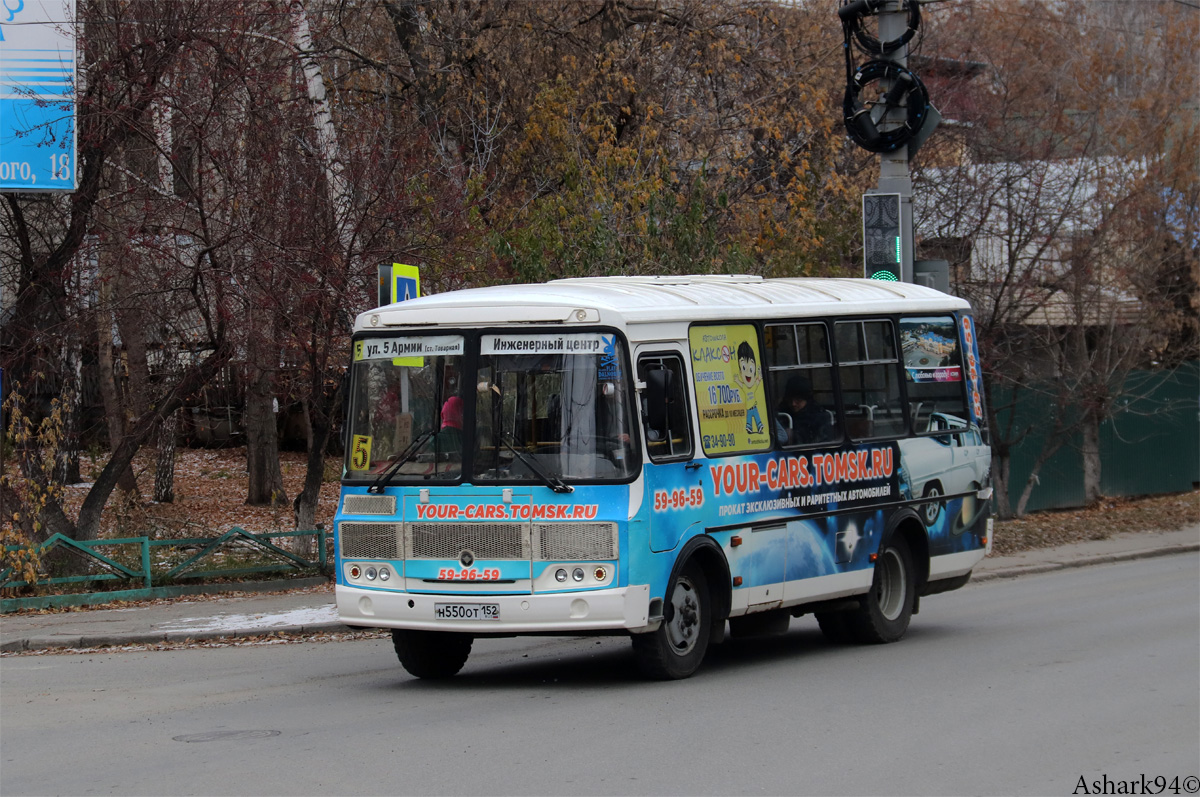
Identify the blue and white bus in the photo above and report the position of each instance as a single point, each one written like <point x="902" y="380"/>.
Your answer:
<point x="657" y="456"/>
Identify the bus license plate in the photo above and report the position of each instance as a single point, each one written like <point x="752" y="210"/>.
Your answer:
<point x="466" y="611"/>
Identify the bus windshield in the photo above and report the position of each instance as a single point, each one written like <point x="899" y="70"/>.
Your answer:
<point x="544" y="409"/>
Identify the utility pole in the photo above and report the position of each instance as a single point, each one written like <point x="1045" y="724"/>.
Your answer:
<point x="894" y="176"/>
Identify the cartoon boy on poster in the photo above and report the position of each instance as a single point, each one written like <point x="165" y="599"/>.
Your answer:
<point x="749" y="377"/>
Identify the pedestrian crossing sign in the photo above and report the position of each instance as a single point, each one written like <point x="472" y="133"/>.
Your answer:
<point x="406" y="282"/>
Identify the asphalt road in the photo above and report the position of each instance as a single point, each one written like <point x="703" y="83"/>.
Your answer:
<point x="1017" y="686"/>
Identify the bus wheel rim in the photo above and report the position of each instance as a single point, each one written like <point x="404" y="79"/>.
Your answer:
<point x="892" y="585"/>
<point x="684" y="624"/>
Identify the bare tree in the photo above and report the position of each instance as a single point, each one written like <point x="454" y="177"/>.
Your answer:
<point x="115" y="221"/>
<point x="1041" y="198"/>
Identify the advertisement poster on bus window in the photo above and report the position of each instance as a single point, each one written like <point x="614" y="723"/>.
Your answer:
<point x="930" y="348"/>
<point x="730" y="396"/>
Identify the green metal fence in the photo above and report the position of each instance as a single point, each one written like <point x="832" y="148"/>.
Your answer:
<point x="1150" y="445"/>
<point x="158" y="567"/>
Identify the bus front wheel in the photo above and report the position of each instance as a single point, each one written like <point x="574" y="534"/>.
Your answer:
<point x="885" y="611"/>
<point x="431" y="654"/>
<point x="676" y="649"/>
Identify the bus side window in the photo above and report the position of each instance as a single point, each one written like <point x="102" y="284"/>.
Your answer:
<point x="869" y="373"/>
<point x="664" y="407"/>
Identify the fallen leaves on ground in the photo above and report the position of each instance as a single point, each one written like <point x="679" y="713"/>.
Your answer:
<point x="1108" y="517"/>
<point x="210" y="497"/>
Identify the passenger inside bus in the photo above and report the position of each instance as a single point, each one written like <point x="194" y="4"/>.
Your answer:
<point x="449" y="437"/>
<point x="798" y="417"/>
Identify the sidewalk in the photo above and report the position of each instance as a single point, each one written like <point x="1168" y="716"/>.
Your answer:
<point x="312" y="611"/>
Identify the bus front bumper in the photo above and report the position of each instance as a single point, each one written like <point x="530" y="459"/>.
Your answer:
<point x="619" y="609"/>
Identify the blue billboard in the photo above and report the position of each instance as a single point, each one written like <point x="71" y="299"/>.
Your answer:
<point x="37" y="95"/>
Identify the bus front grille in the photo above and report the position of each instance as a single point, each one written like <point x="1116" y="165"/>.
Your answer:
<point x="488" y="541"/>
<point x="575" y="541"/>
<point x="369" y="540"/>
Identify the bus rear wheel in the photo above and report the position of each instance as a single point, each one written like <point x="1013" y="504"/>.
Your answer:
<point x="884" y="612"/>
<point x="431" y="654"/>
<point x="676" y="649"/>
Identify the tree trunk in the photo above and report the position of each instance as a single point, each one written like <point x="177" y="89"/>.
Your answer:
<point x="1090" y="454"/>
<point x="164" y="473"/>
<point x="132" y="324"/>
<point x="309" y="497"/>
<point x="308" y="425"/>
<point x="66" y="459"/>
<point x="114" y="412"/>
<point x="265" y="484"/>
<point x="1001" y="465"/>
<point x="322" y="119"/>
<point x="1054" y="441"/>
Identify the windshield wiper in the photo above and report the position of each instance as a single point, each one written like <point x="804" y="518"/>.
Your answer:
<point x="383" y="478"/>
<point x="553" y="482"/>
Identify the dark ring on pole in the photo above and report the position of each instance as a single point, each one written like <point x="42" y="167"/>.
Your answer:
<point x="906" y="86"/>
<point x="853" y="13"/>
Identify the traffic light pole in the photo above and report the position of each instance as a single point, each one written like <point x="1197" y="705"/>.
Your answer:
<point x="894" y="177"/>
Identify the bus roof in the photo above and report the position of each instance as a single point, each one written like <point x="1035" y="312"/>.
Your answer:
<point x="625" y="301"/>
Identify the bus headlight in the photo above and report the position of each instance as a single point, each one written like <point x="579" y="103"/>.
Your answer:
<point x="371" y="574"/>
<point x="384" y="574"/>
<point x="560" y="575"/>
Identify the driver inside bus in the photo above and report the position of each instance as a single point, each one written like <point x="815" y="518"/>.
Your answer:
<point x="611" y="423"/>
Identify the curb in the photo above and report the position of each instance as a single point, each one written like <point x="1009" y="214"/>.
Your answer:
<point x="8" y="605"/>
<point x="1099" y="559"/>
<point x="153" y="638"/>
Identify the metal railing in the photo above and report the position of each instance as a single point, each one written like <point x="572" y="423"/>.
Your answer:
<point x="141" y="560"/>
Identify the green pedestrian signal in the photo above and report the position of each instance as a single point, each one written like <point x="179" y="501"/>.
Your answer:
<point x="883" y="248"/>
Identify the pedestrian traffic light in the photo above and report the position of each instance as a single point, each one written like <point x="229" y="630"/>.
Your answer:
<point x="883" y="248"/>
